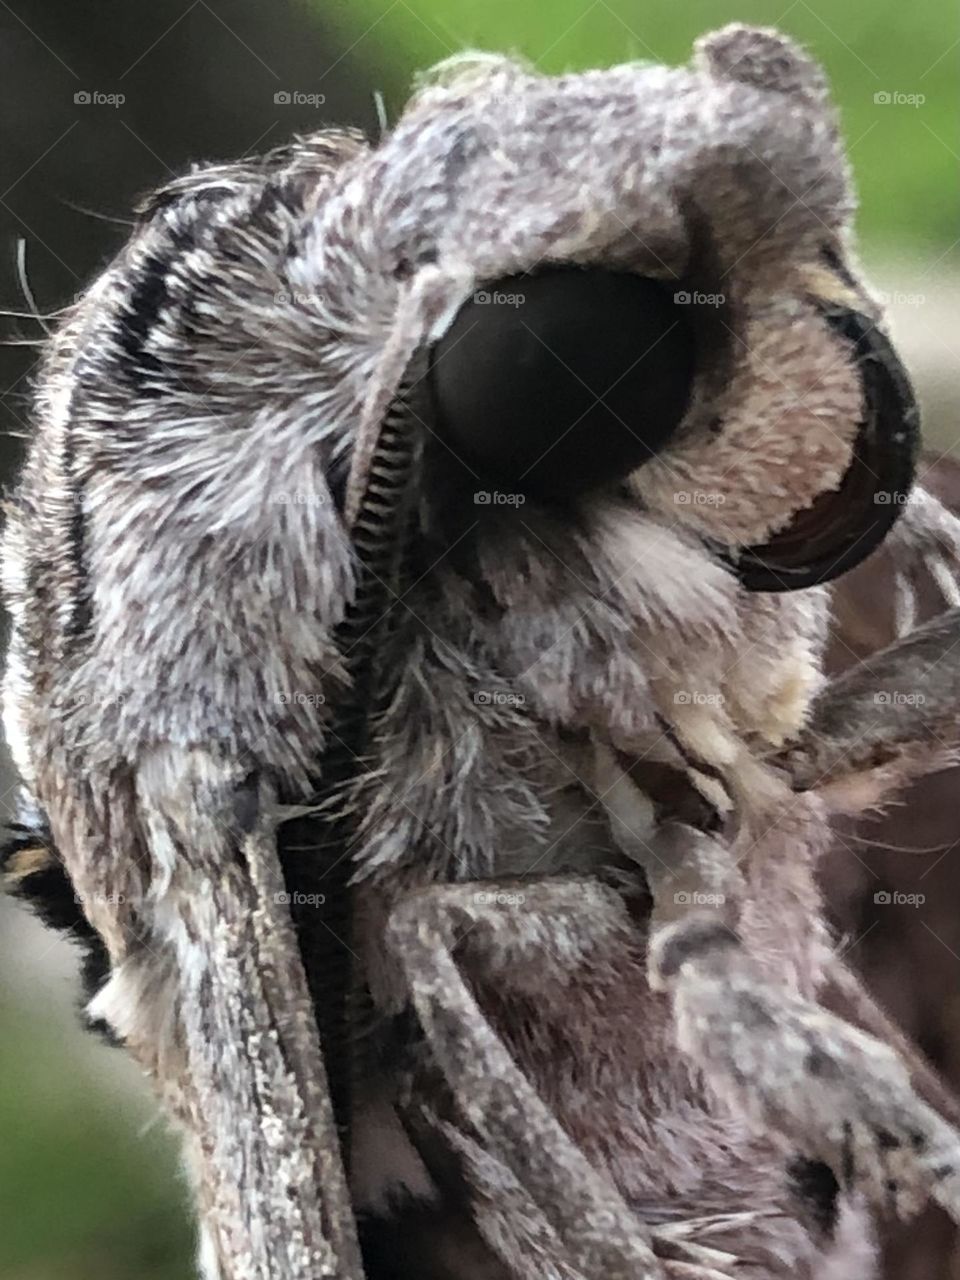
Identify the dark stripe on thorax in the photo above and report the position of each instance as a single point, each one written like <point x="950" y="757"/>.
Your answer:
<point x="136" y="319"/>
<point x="81" y="604"/>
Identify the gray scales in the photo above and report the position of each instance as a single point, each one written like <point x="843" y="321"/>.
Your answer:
<point x="560" y="757"/>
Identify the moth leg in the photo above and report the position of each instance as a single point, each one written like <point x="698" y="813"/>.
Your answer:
<point x="679" y="861"/>
<point x="441" y="934"/>
<point x="883" y="722"/>
<point x="925" y="538"/>
<point x="839" y="1094"/>
<point x="844" y="994"/>
<point x="177" y="866"/>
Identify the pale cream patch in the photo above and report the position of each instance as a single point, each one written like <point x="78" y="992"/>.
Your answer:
<point x="774" y="676"/>
<point x="773" y="701"/>
<point x="789" y="425"/>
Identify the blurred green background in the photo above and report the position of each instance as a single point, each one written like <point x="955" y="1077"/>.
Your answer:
<point x="90" y="1187"/>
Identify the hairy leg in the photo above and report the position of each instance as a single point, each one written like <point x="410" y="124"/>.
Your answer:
<point x="582" y="1225"/>
<point x="883" y="722"/>
<point x="839" y="1094"/>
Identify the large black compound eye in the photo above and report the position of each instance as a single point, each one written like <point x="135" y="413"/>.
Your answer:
<point x="564" y="379"/>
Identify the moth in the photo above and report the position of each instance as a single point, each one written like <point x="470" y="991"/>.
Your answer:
<point x="419" y="577"/>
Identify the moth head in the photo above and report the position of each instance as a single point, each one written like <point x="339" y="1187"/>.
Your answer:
<point x="639" y="280"/>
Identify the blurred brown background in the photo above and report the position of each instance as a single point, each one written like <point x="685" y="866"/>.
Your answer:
<point x="907" y="951"/>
